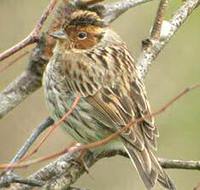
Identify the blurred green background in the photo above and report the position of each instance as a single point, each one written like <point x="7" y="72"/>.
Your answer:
<point x="177" y="67"/>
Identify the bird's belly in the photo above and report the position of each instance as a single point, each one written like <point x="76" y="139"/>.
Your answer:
<point x="81" y="124"/>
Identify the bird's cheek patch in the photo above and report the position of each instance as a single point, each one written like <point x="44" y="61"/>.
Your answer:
<point x="86" y="44"/>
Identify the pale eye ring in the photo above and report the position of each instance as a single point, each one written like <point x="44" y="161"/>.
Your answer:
<point x="82" y="35"/>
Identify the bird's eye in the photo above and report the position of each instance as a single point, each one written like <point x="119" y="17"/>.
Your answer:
<point x="82" y="35"/>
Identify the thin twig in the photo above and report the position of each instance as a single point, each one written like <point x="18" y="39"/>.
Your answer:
<point x="155" y="33"/>
<point x="33" y="36"/>
<point x="7" y="65"/>
<point x="23" y="164"/>
<point x="91" y="2"/>
<point x="53" y="127"/>
<point x="44" y="125"/>
<point x="44" y="16"/>
<point x="149" y="54"/>
<point x="20" y="45"/>
<point x="8" y="176"/>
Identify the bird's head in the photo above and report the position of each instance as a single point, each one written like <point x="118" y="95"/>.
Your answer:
<point x="83" y="30"/>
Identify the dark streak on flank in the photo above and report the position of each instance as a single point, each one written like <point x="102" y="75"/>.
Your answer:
<point x="89" y="87"/>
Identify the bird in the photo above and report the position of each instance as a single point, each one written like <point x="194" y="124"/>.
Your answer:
<point x="91" y="60"/>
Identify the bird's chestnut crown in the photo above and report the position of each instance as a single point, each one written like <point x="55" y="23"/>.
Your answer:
<point x="83" y="30"/>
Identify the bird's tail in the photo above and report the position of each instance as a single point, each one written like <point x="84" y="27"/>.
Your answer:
<point x="148" y="168"/>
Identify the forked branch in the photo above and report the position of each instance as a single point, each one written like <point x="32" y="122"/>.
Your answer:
<point x="33" y="36"/>
<point x="151" y="52"/>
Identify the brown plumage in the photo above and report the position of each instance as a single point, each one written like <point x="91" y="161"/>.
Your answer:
<point x="90" y="59"/>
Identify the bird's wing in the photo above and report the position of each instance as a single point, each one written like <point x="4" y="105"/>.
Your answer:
<point x="117" y="97"/>
<point x="121" y="105"/>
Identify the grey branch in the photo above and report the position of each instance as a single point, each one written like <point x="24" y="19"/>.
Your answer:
<point x="155" y="33"/>
<point x="8" y="176"/>
<point x="180" y="164"/>
<point x="34" y="135"/>
<point x="63" y="172"/>
<point x="25" y="84"/>
<point x="114" y="10"/>
<point x="12" y="178"/>
<point x="150" y="53"/>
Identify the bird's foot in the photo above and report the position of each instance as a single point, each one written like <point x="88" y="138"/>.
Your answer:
<point x="82" y="161"/>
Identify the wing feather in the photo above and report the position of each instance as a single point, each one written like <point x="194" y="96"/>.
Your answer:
<point x="117" y="95"/>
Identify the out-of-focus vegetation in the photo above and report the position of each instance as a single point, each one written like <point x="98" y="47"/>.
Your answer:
<point x="177" y="67"/>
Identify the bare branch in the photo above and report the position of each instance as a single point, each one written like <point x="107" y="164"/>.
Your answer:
<point x="26" y="83"/>
<point x="91" y="2"/>
<point x="155" y="33"/>
<point x="114" y="10"/>
<point x="4" y="67"/>
<point x="7" y="176"/>
<point x="179" y="164"/>
<point x="54" y="126"/>
<point x="66" y="170"/>
<point x="149" y="54"/>
<point x="33" y="36"/>
<point x="35" y="134"/>
<point x="22" y="44"/>
<point x="12" y="178"/>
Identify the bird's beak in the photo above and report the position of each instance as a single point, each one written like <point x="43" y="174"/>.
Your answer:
<point x="59" y="35"/>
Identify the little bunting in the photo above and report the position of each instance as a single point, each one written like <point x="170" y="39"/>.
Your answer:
<point x="91" y="60"/>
